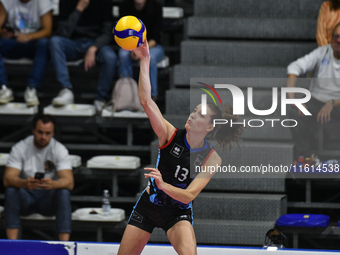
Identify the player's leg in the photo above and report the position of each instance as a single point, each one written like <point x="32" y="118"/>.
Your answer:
<point x="142" y="221"/>
<point x="182" y="237"/>
<point x="133" y="241"/>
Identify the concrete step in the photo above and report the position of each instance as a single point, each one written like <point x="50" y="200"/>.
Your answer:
<point x="250" y="154"/>
<point x="256" y="154"/>
<point x="246" y="184"/>
<point x="184" y="72"/>
<point x="229" y="206"/>
<point x="183" y="101"/>
<point x="267" y="132"/>
<point x="224" y="232"/>
<point x="259" y="8"/>
<point x="252" y="28"/>
<point x="243" y="53"/>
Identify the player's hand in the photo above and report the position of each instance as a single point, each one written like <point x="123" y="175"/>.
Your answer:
<point x="90" y="58"/>
<point x="142" y="52"/>
<point x="46" y="183"/>
<point x="324" y="114"/>
<point x="82" y="5"/>
<point x="156" y="174"/>
<point x="23" y="38"/>
<point x="32" y="183"/>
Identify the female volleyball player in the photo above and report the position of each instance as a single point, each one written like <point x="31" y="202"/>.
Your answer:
<point x="167" y="200"/>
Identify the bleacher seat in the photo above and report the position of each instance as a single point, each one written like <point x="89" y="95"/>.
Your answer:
<point x="18" y="109"/>
<point x="168" y="12"/>
<point x="3" y="159"/>
<point x="27" y="61"/>
<point x="76" y="110"/>
<point x="114" y="162"/>
<point x="96" y="214"/>
<point x="75" y="161"/>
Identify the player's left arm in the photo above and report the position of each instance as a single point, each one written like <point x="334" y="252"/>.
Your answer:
<point x="186" y="195"/>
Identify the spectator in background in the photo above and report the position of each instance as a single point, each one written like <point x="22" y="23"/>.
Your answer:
<point x="24" y="194"/>
<point x="29" y="23"/>
<point x="151" y="13"/>
<point x="84" y="31"/>
<point x="324" y="104"/>
<point x="329" y="16"/>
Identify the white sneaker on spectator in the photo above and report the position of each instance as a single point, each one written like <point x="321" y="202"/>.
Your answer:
<point x="99" y="105"/>
<point x="64" y="97"/>
<point x="31" y="97"/>
<point x="6" y="94"/>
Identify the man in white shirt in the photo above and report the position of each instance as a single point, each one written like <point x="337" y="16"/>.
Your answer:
<point x="27" y="192"/>
<point x="26" y="26"/>
<point x="324" y="62"/>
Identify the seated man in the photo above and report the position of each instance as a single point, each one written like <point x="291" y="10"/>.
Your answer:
<point x="324" y="62"/>
<point x="25" y="193"/>
<point x="84" y="31"/>
<point x="25" y="36"/>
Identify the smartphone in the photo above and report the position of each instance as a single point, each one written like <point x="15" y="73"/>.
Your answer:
<point x="39" y="176"/>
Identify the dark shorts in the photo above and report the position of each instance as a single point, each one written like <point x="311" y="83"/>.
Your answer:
<point x="147" y="216"/>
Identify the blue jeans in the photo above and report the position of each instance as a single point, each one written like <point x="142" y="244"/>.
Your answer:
<point x="46" y="202"/>
<point x="125" y="65"/>
<point x="63" y="49"/>
<point x="34" y="49"/>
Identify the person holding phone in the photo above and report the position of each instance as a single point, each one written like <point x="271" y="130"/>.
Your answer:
<point x="38" y="179"/>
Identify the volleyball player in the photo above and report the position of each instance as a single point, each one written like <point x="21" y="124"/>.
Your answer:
<point x="167" y="200"/>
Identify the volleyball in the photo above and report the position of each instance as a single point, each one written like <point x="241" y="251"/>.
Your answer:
<point x="129" y="32"/>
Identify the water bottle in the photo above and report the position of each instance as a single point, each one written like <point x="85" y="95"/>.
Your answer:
<point x="106" y="206"/>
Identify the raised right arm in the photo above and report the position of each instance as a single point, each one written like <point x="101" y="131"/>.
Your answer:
<point x="163" y="129"/>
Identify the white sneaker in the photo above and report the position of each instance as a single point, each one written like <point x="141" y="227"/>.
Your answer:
<point x="99" y="105"/>
<point x="64" y="97"/>
<point x="6" y="94"/>
<point x="31" y="98"/>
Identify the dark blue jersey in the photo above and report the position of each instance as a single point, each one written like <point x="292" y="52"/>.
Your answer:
<point x="178" y="165"/>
